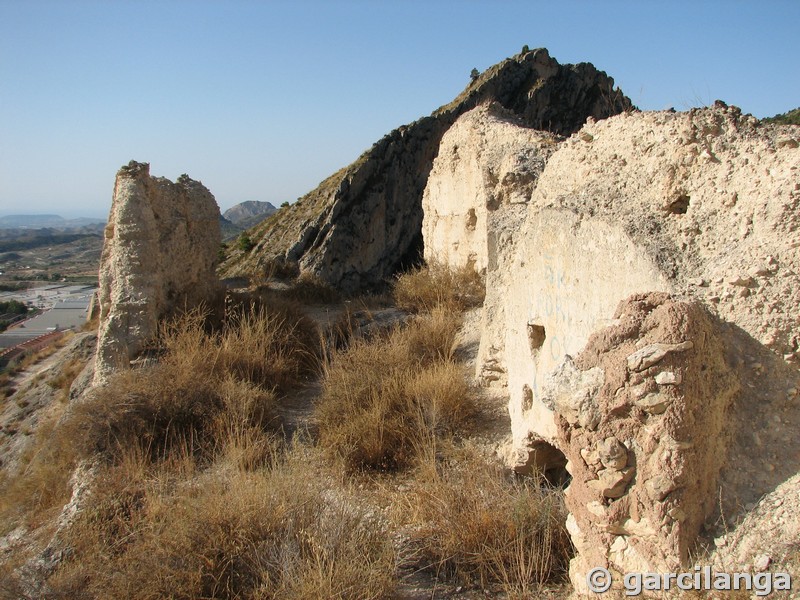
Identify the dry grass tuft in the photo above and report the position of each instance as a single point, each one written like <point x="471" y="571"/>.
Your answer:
<point x="209" y="393"/>
<point x="385" y="400"/>
<point x="310" y="289"/>
<point x="66" y="375"/>
<point x="275" y="533"/>
<point x="470" y="521"/>
<point x="40" y="485"/>
<point x="271" y="345"/>
<point x="436" y="285"/>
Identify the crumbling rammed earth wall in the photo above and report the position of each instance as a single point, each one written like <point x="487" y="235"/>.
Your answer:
<point x="703" y="206"/>
<point x="160" y="254"/>
<point x="640" y="415"/>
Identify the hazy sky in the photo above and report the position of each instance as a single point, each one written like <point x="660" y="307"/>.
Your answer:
<point x="262" y="100"/>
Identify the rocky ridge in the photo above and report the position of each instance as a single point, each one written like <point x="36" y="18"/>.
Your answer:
<point x="362" y="224"/>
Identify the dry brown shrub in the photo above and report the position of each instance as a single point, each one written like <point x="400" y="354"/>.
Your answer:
<point x="66" y="375"/>
<point x="385" y="400"/>
<point x="431" y="337"/>
<point x="159" y="409"/>
<point x="188" y="399"/>
<point x="271" y="343"/>
<point x="436" y="285"/>
<point x="40" y="484"/>
<point x="471" y="521"/>
<point x="310" y="289"/>
<point x="276" y="533"/>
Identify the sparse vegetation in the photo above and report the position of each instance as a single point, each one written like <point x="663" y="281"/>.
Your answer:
<point x="791" y="117"/>
<point x="194" y="492"/>
<point x="310" y="289"/>
<point x="273" y="533"/>
<point x="386" y="401"/>
<point x="66" y="375"/>
<point x="433" y="285"/>
<point x="244" y="242"/>
<point x="471" y="521"/>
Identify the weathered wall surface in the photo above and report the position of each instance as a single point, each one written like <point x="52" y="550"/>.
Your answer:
<point x="705" y="206"/>
<point x="704" y="203"/>
<point x="160" y="254"/>
<point x="564" y="283"/>
<point x="641" y="415"/>
<point x="364" y="222"/>
<point x="487" y="161"/>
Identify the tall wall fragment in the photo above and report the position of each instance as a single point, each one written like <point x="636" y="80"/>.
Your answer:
<point x="640" y="415"/>
<point x="703" y="206"/>
<point x="160" y="254"/>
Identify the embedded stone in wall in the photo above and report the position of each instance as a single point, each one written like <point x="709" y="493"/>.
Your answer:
<point x="643" y="480"/>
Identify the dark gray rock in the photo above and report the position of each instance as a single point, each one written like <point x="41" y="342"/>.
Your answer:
<point x="364" y="223"/>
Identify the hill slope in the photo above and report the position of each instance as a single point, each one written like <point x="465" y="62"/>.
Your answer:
<point x="363" y="224"/>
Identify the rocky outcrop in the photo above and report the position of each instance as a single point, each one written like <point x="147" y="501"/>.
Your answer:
<point x="249" y="213"/>
<point x="640" y="415"/>
<point x="160" y="254"/>
<point x="702" y="205"/>
<point x="364" y="223"/>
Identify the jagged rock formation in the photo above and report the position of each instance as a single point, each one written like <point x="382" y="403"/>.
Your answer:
<point x="704" y="205"/>
<point x="160" y="254"/>
<point x="363" y="223"/>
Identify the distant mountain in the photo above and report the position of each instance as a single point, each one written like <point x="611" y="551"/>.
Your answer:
<point x="45" y="221"/>
<point x="228" y="230"/>
<point x="250" y="213"/>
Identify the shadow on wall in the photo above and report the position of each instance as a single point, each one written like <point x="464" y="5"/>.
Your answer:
<point x="764" y="449"/>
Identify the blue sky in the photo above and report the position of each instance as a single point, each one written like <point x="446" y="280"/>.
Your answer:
<point x="262" y="100"/>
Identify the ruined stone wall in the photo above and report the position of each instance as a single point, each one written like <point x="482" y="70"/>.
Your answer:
<point x="487" y="162"/>
<point x="703" y="203"/>
<point x="160" y="253"/>
<point x="641" y="415"/>
<point x="704" y="206"/>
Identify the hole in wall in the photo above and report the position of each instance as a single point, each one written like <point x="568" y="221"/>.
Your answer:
<point x="679" y="206"/>
<point x="548" y="460"/>
<point x="472" y="219"/>
<point x="527" y="397"/>
<point x="536" y="336"/>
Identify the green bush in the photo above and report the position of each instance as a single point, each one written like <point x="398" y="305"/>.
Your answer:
<point x="791" y="117"/>
<point x="245" y="243"/>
